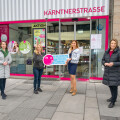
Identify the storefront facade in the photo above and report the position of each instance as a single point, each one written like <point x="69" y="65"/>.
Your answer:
<point x="64" y="21"/>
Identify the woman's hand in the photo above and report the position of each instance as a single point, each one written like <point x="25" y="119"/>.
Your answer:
<point x="69" y="59"/>
<point x="5" y="63"/>
<point x="106" y="64"/>
<point x="110" y="64"/>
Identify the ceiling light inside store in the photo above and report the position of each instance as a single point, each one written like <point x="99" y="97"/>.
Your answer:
<point x="80" y="31"/>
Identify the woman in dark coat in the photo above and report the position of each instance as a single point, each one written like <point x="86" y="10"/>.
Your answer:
<point x="111" y="78"/>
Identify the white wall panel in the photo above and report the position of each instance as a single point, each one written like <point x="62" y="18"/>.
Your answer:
<point x="34" y="9"/>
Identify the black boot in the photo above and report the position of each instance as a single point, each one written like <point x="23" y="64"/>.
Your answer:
<point x="3" y="96"/>
<point x="109" y="100"/>
<point x="111" y="105"/>
<point x="39" y="89"/>
<point x="35" y="91"/>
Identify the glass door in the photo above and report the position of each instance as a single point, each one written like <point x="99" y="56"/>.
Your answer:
<point x="98" y="41"/>
<point x="76" y="30"/>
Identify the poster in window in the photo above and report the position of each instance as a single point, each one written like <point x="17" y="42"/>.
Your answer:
<point x="96" y="41"/>
<point x="39" y="36"/>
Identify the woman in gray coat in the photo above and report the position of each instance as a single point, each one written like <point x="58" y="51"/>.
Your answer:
<point x="5" y="60"/>
<point x="111" y="78"/>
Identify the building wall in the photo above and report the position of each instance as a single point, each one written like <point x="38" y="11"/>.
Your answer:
<point x="116" y="20"/>
<point x="12" y="10"/>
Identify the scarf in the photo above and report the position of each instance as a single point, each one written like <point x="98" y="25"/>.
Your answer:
<point x="4" y="52"/>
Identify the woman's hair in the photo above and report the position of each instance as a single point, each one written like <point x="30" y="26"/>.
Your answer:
<point x="14" y="48"/>
<point x="71" y="48"/>
<point x="115" y="41"/>
<point x="36" y="49"/>
<point x="1" y="44"/>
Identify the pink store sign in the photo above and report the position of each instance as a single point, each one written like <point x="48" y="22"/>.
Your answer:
<point x="4" y="33"/>
<point x="75" y="10"/>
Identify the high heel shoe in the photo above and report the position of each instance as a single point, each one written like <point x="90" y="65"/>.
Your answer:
<point x="74" y="92"/>
<point x="71" y="90"/>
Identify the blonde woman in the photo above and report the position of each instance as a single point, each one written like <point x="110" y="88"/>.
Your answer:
<point x="38" y="67"/>
<point x="74" y="55"/>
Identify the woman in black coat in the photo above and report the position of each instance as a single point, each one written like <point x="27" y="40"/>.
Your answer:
<point x="111" y="77"/>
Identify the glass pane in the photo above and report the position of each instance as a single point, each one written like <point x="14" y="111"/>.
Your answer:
<point x="83" y="38"/>
<point x="19" y="33"/>
<point x="98" y="27"/>
<point x="67" y="35"/>
<point x="53" y="45"/>
<point x="22" y="63"/>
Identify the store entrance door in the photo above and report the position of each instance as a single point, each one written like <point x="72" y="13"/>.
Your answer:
<point x="77" y="29"/>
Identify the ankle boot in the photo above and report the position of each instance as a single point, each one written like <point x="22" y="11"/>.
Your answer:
<point x="74" y="92"/>
<point x="71" y="90"/>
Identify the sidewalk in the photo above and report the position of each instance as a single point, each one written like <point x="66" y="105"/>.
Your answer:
<point x="56" y="103"/>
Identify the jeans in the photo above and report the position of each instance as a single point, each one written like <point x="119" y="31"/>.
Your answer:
<point x="2" y="85"/>
<point x="37" y="77"/>
<point x="114" y="93"/>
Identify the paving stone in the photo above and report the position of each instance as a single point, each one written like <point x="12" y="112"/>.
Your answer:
<point x="73" y="104"/>
<point x="103" y="106"/>
<point x="90" y="86"/>
<point x="16" y="92"/>
<point x="52" y="105"/>
<point x="2" y="116"/>
<point x="102" y="89"/>
<point x="108" y="118"/>
<point x="24" y="86"/>
<point x="90" y="93"/>
<point x="22" y="114"/>
<point x="37" y="101"/>
<point x="60" y="91"/>
<point x="91" y="114"/>
<point x="49" y="87"/>
<point x="91" y="102"/>
<point x="10" y="106"/>
<point x="67" y="116"/>
<point x="56" y="99"/>
<point x="47" y="112"/>
<point x="41" y="119"/>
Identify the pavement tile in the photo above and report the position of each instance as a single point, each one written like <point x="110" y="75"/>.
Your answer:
<point x="108" y="118"/>
<point x="22" y="114"/>
<point x="103" y="106"/>
<point x="47" y="112"/>
<point x="56" y="99"/>
<point x="16" y="92"/>
<point x="90" y="93"/>
<point x="91" y="102"/>
<point x="2" y="116"/>
<point x="91" y="114"/>
<point x="11" y="105"/>
<point x="41" y="119"/>
<point x="73" y="104"/>
<point x="67" y="116"/>
<point x="37" y="101"/>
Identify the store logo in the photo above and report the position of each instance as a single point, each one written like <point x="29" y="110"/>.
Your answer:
<point x="42" y="25"/>
<point x="100" y="27"/>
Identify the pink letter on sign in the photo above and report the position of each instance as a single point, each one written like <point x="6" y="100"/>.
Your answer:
<point x="48" y="59"/>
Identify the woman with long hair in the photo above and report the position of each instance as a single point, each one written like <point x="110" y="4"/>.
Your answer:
<point x="5" y="61"/>
<point x="16" y="47"/>
<point x="111" y="77"/>
<point x="72" y="61"/>
<point x="38" y="67"/>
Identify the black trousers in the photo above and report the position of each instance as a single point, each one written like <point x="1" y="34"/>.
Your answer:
<point x="114" y="93"/>
<point x="2" y="85"/>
